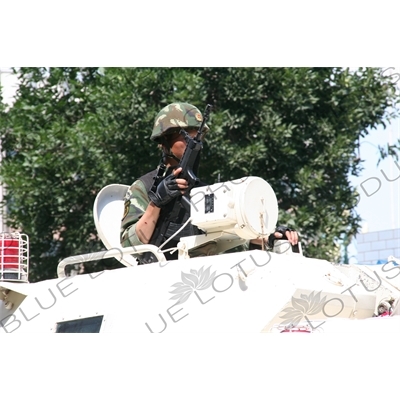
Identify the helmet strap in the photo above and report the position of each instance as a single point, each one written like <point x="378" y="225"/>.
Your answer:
<point x="171" y="155"/>
<point x="167" y="153"/>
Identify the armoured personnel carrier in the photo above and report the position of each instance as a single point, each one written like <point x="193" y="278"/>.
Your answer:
<point x="277" y="291"/>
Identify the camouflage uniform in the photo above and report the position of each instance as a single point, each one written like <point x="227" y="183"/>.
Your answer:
<point x="171" y="117"/>
<point x="135" y="204"/>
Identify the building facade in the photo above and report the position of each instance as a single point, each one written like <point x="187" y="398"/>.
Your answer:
<point x="376" y="247"/>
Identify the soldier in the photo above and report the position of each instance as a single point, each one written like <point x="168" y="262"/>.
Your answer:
<point x="147" y="206"/>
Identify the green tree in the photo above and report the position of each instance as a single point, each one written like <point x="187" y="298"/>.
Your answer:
<point x="72" y="131"/>
<point x="299" y="129"/>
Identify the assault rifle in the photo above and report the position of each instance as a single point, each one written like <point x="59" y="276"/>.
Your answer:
<point x="191" y="157"/>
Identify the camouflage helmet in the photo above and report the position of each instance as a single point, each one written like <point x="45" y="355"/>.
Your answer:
<point x="177" y="115"/>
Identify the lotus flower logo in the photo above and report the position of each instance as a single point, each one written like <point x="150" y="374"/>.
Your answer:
<point x="196" y="280"/>
<point x="302" y="307"/>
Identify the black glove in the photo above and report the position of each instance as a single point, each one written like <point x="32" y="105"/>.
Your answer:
<point x="166" y="191"/>
<point x="282" y="230"/>
<point x="272" y="237"/>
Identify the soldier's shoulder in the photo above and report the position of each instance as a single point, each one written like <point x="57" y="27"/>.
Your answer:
<point x="143" y="183"/>
<point x="148" y="179"/>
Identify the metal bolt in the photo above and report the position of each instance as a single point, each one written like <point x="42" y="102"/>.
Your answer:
<point x="8" y="305"/>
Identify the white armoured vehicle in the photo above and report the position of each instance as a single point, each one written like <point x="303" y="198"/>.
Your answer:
<point x="248" y="291"/>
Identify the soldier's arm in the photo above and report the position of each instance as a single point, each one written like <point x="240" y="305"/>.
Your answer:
<point x="147" y="223"/>
<point x="136" y="203"/>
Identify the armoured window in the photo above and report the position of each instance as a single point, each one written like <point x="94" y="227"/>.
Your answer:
<point x="84" y="325"/>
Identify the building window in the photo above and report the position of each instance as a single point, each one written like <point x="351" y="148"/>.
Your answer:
<point x="84" y="325"/>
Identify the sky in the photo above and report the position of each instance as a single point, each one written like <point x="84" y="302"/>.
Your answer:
<point x="9" y="84"/>
<point x="379" y="185"/>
